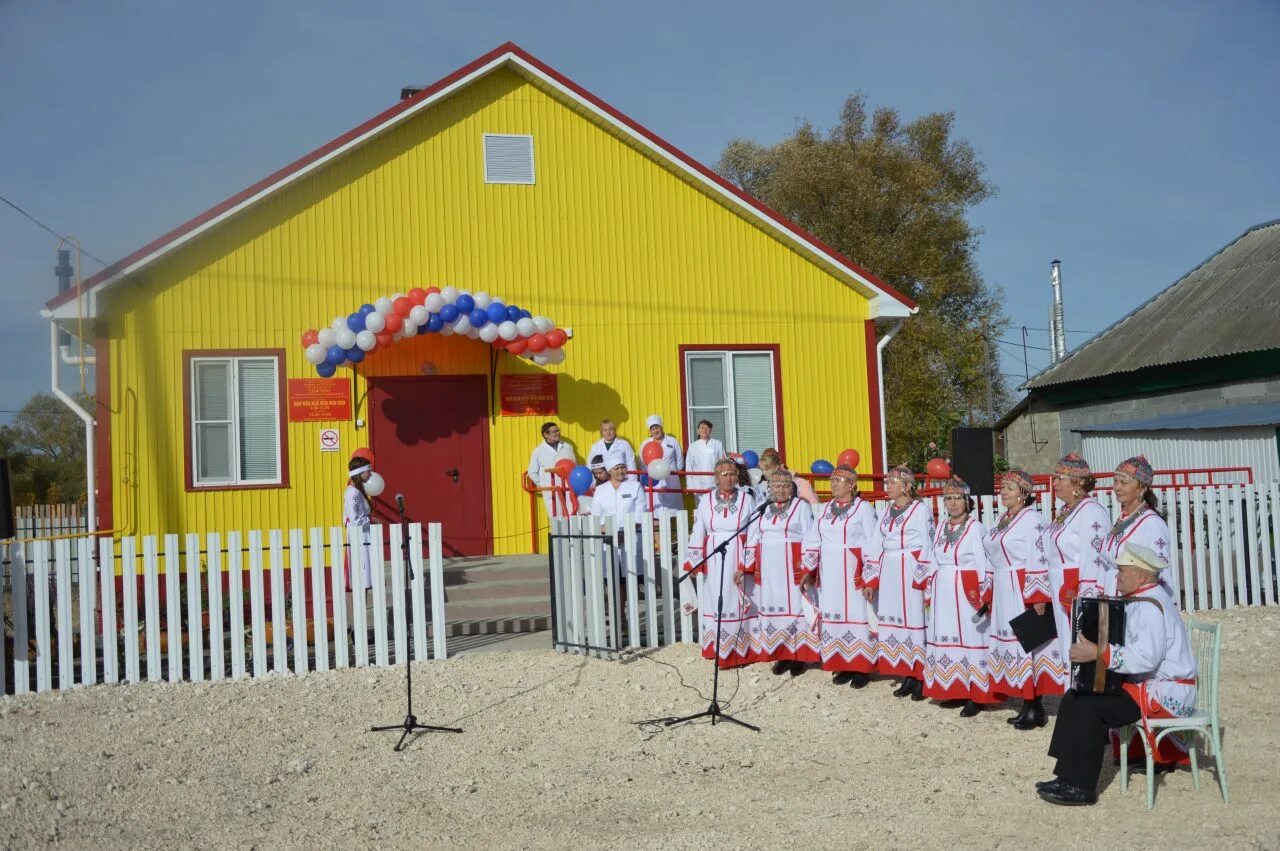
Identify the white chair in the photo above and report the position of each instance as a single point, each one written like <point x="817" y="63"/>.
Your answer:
<point x="1206" y="643"/>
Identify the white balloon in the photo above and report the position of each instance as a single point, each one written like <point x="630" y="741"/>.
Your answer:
<point x="326" y="337"/>
<point x="756" y="474"/>
<point x="409" y="329"/>
<point x="473" y="332"/>
<point x="346" y="338"/>
<point x="419" y="315"/>
<point x="659" y="469"/>
<point x="446" y="331"/>
<point x="339" y="324"/>
<point x="489" y="333"/>
<point x="482" y="299"/>
<point x="316" y="353"/>
<point x="462" y="325"/>
<point x="383" y="306"/>
<point x="555" y="356"/>
<point x="366" y="340"/>
<point x="543" y="324"/>
<point x="433" y="303"/>
<point x="449" y="294"/>
<point x="526" y="327"/>
<point x="375" y="485"/>
<point x="540" y="360"/>
<point x="375" y="322"/>
<point x="584" y="504"/>
<point x="508" y="331"/>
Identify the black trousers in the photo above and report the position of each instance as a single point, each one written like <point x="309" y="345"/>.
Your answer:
<point x="1080" y="734"/>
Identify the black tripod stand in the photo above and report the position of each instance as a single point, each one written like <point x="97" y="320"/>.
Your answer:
<point x="713" y="711"/>
<point x="410" y="723"/>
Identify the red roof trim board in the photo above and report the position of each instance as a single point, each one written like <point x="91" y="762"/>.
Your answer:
<point x="509" y="51"/>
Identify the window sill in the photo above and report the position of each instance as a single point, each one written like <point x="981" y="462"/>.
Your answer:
<point x="252" y="487"/>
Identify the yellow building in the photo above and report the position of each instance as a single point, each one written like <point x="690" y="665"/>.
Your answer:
<point x="683" y="297"/>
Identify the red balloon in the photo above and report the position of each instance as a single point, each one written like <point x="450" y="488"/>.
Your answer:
<point x="384" y="339"/>
<point x="556" y="338"/>
<point x="402" y="306"/>
<point x="517" y="346"/>
<point x="938" y="468"/>
<point x="417" y="295"/>
<point x="432" y="291"/>
<point x="849" y="457"/>
<point x="564" y="467"/>
<point x="365" y="453"/>
<point x="537" y="343"/>
<point x="650" y="452"/>
<point x="394" y="322"/>
<point x="310" y="337"/>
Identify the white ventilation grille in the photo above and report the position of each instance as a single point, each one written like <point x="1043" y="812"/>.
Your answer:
<point x="508" y="159"/>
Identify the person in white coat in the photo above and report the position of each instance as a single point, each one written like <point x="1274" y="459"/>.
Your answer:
<point x="616" y="498"/>
<point x="1160" y="679"/>
<point x="703" y="455"/>
<point x="609" y="441"/>
<point x="542" y="464"/>
<point x="671" y="499"/>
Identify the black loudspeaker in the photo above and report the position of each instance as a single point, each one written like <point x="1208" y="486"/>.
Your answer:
<point x="973" y="458"/>
<point x="8" y="529"/>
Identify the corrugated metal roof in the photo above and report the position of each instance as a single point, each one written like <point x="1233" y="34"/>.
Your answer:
<point x="1232" y="417"/>
<point x="1229" y="304"/>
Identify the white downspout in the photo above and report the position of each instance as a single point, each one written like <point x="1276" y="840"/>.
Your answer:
<point x="880" y="346"/>
<point x="89" y="426"/>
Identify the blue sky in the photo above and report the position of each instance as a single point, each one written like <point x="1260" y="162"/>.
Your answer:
<point x="1129" y="140"/>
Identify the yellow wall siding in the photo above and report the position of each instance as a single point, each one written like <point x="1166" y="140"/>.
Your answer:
<point x="609" y="242"/>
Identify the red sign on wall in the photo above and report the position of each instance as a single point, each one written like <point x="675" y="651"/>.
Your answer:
<point x="528" y="395"/>
<point x="319" y="399"/>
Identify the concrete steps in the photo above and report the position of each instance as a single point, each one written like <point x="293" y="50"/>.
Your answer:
<point x="491" y="595"/>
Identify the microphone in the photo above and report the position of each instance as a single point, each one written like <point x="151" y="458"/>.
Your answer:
<point x="400" y="502"/>
<point x="983" y="613"/>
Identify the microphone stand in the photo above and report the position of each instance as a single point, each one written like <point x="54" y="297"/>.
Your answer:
<point x="713" y="711"/>
<point x="410" y="723"/>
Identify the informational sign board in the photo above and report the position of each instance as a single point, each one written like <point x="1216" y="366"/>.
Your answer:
<point x="313" y="399"/>
<point x="330" y="440"/>
<point x="528" y="395"/>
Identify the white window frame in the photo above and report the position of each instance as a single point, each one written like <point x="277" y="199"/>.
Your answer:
<point x="484" y="153"/>
<point x="725" y="356"/>
<point x="235" y="480"/>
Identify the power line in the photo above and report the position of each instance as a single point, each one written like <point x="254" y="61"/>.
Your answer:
<point x="1068" y="330"/>
<point x="50" y="230"/>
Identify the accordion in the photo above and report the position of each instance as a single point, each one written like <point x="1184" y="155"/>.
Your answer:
<point x="1100" y="620"/>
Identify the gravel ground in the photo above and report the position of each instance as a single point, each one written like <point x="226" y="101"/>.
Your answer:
<point x="552" y="758"/>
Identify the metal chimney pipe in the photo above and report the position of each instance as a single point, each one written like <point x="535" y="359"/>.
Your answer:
<point x="1059" y="327"/>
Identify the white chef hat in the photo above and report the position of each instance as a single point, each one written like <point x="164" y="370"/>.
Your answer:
<point x="652" y="420"/>
<point x="615" y="458"/>
<point x="1140" y="556"/>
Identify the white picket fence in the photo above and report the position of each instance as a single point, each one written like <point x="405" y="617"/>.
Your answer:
<point x="136" y="611"/>
<point x="44" y="521"/>
<point x="1223" y="553"/>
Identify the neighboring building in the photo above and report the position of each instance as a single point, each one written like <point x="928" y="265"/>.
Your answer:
<point x="1191" y="378"/>
<point x="685" y="297"/>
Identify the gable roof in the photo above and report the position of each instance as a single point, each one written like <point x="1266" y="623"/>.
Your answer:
<point x="1228" y="305"/>
<point x="887" y="302"/>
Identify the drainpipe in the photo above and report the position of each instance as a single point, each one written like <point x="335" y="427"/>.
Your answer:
<point x="880" y="346"/>
<point x="89" y="424"/>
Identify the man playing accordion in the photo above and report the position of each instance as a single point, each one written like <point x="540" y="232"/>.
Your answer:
<point x="1159" y="671"/>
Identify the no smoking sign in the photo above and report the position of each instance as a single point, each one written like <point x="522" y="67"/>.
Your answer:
<point x="329" y="441"/>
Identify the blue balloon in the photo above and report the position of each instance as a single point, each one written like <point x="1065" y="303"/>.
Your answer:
<point x="497" y="311"/>
<point x="434" y="323"/>
<point x="366" y="309"/>
<point x="513" y="313"/>
<point x="355" y="354"/>
<point x="336" y="356"/>
<point x="465" y="303"/>
<point x="356" y="323"/>
<point x="822" y="467"/>
<point x="478" y="318"/>
<point x="449" y="313"/>
<point x="524" y="314"/>
<point x="326" y="369"/>
<point x="581" y="479"/>
<point x="751" y="458"/>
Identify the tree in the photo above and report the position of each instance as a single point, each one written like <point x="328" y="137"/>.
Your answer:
<point x="45" y="446"/>
<point x="895" y="197"/>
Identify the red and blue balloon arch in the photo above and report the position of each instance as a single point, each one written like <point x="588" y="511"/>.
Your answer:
<point x="435" y="310"/>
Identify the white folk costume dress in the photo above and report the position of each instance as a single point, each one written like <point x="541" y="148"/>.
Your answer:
<point x="672" y="500"/>
<point x="714" y="520"/>
<point x="786" y="623"/>
<point x="842" y="539"/>
<point x="906" y="539"/>
<point x="1159" y="663"/>
<point x="1019" y="579"/>
<point x="1143" y="527"/>
<point x="541" y="464"/>
<point x="701" y="458"/>
<point x="1073" y="545"/>
<point x="355" y="512"/>
<point x="953" y="581"/>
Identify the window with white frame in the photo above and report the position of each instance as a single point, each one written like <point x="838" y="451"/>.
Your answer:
<point x="235" y="421"/>
<point x="734" y="391"/>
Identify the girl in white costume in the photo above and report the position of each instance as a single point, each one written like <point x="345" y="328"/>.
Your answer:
<point x="355" y="512"/>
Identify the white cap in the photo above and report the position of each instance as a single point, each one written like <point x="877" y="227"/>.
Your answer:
<point x="615" y="458"/>
<point x="1140" y="556"/>
<point x="652" y="420"/>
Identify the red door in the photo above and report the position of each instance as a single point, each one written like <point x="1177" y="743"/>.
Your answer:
<point x="431" y="438"/>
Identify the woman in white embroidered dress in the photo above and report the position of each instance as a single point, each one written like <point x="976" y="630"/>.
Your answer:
<point x="355" y="512"/>
<point x="1140" y="521"/>
<point x="718" y="516"/>
<point x="1019" y="581"/>
<point x="1073" y="545"/>
<point x="785" y="628"/>
<point x="906" y="536"/>
<point x="953" y="580"/>
<point x="843" y="537"/>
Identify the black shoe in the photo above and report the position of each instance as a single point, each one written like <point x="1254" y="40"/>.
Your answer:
<point x="1021" y="717"/>
<point x="1066" y="795"/>
<point x="904" y="689"/>
<point x="1048" y="785"/>
<point x="917" y="689"/>
<point x="798" y="668"/>
<point x="781" y="666"/>
<point x="970" y="709"/>
<point x="859" y="680"/>
<point x="841" y="677"/>
<point x="1035" y="718"/>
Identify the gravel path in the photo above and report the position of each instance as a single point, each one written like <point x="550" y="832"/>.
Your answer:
<point x="551" y="758"/>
